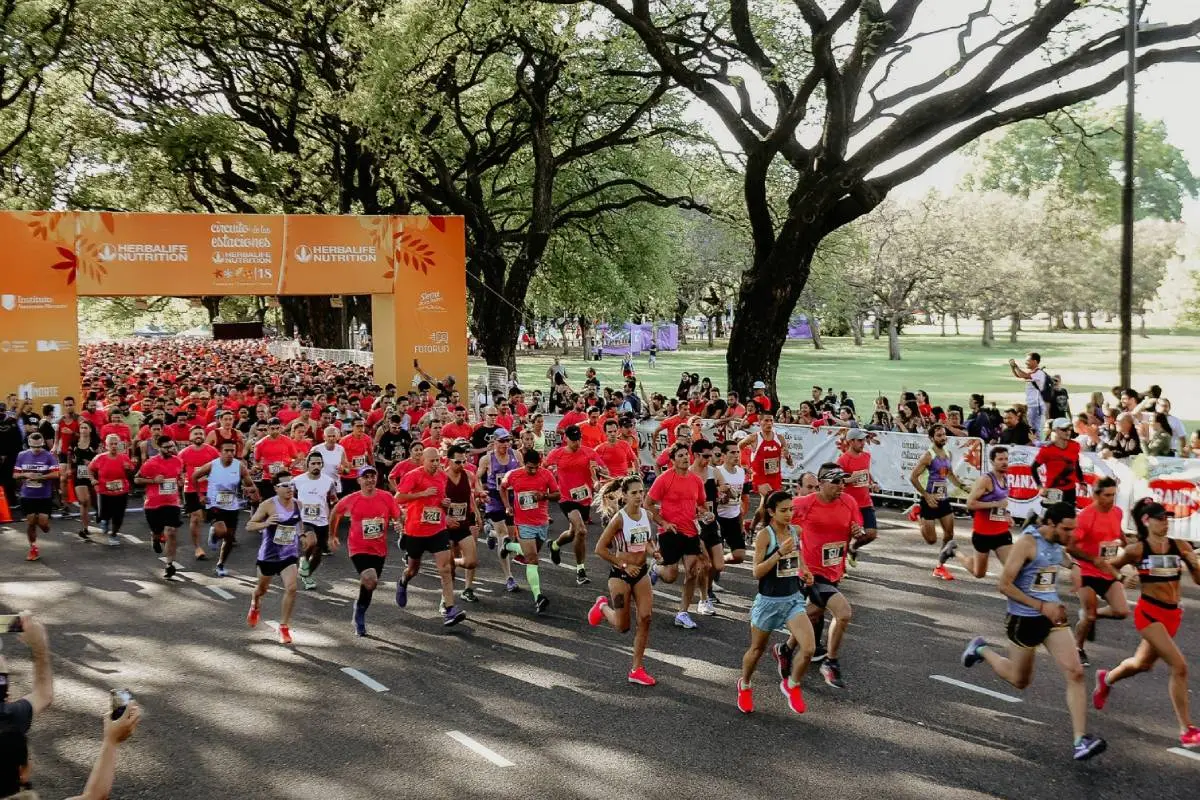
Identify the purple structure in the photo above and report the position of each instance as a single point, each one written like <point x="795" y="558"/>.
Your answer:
<point x="631" y="338"/>
<point x="798" y="328"/>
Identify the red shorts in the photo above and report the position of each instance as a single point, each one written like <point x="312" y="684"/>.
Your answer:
<point x="1146" y="614"/>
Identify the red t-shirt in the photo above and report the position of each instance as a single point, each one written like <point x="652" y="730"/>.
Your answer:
<point x="526" y="510"/>
<point x="424" y="516"/>
<point x="457" y="431"/>
<point x="681" y="498"/>
<point x="1060" y="463"/>
<point x="858" y="485"/>
<point x="369" y="520"/>
<point x="1098" y="534"/>
<point x="358" y="451"/>
<point x="122" y="431"/>
<point x="401" y="469"/>
<point x="762" y="401"/>
<point x="574" y="472"/>
<point x="572" y="417"/>
<point x="505" y="421"/>
<point x="68" y="432"/>
<point x="193" y="457"/>
<point x="166" y="493"/>
<point x="274" y="455"/>
<point x="593" y="435"/>
<point x="288" y="415"/>
<point x="110" y="475"/>
<point x="618" y="457"/>
<point x="825" y="532"/>
<point x="670" y="424"/>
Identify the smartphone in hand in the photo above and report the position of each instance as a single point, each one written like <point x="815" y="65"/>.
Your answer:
<point x="11" y="623"/>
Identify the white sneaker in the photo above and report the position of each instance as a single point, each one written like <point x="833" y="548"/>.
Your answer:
<point x="706" y="608"/>
<point x="114" y="540"/>
<point x="684" y="620"/>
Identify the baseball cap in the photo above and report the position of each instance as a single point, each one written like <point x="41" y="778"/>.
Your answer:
<point x="306" y="404"/>
<point x="502" y="433"/>
<point x="831" y="473"/>
<point x="367" y="469"/>
<point x="274" y="421"/>
<point x="759" y="385"/>
<point x="1061" y="424"/>
<point x="855" y="434"/>
<point x="573" y="433"/>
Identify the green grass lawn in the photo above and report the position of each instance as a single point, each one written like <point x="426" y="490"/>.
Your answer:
<point x="948" y="368"/>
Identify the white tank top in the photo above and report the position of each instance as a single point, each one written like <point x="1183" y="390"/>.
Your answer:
<point x="223" y="483"/>
<point x="635" y="533"/>
<point x="736" y="480"/>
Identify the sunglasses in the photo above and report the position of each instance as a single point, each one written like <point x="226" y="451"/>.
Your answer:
<point x="283" y="486"/>
<point x="459" y="461"/>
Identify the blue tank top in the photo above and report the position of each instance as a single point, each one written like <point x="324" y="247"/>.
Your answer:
<point x="1039" y="577"/>
<point x="281" y="540"/>
<point x="784" y="578"/>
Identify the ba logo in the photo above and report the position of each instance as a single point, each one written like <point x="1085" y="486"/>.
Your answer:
<point x="8" y="302"/>
<point x="303" y="254"/>
<point x="107" y="252"/>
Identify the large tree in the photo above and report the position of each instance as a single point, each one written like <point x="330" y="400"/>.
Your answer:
<point x="844" y="105"/>
<point x="33" y="33"/>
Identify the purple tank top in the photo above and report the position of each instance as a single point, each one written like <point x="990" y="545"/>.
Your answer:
<point x="999" y="490"/>
<point x="282" y="540"/>
<point x="496" y="472"/>
<point x="939" y="468"/>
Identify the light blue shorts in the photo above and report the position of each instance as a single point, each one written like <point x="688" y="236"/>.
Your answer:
<point x="529" y="532"/>
<point x="770" y="613"/>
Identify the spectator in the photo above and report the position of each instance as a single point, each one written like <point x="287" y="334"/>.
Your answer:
<point x="16" y="717"/>
<point x="1178" y="431"/>
<point x="1193" y="448"/>
<point x="1159" y="441"/>
<point x="1126" y="443"/>
<point x="1036" y="380"/>
<point x="1016" y="430"/>
<point x="1060" y="401"/>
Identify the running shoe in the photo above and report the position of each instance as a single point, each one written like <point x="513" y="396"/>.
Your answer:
<point x="519" y="558"/>
<point x="1083" y="658"/>
<point x="914" y="512"/>
<point x="285" y="635"/>
<point x="684" y="620"/>
<point x="510" y="585"/>
<point x="452" y="616"/>
<point x="220" y="571"/>
<point x="641" y="677"/>
<point x="114" y="540"/>
<point x="253" y="616"/>
<point x="596" y="615"/>
<point x="1089" y="746"/>
<point x="783" y="658"/>
<point x="947" y="552"/>
<point x="712" y="598"/>
<point x="169" y="572"/>
<point x="971" y="656"/>
<point x="308" y="583"/>
<point x="401" y="594"/>
<point x="305" y="568"/>
<point x="491" y="537"/>
<point x="940" y="571"/>
<point x="1100" y="693"/>
<point x="468" y="594"/>
<point x="831" y="671"/>
<point x="819" y="654"/>
<point x="745" y="698"/>
<point x="653" y="574"/>
<point x="541" y="604"/>
<point x="555" y="555"/>
<point x="705" y="608"/>
<point x="795" y="698"/>
<point x="83" y="533"/>
<point x="156" y="542"/>
<point x="1190" y="738"/>
<point x="360" y="620"/>
<point x="581" y="578"/>
<point x="33" y="554"/>
<point x="715" y="586"/>
<point x="852" y="560"/>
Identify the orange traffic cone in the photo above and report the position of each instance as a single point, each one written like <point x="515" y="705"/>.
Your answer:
<point x="71" y="498"/>
<point x="5" y="514"/>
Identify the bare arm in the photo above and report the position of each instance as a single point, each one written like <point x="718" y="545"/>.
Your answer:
<point x="919" y="469"/>
<point x="39" y="647"/>
<point x="1023" y="551"/>
<point x="606" y="537"/>
<point x="100" y="781"/>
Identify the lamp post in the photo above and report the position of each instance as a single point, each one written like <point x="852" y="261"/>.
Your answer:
<point x="1126" y="298"/>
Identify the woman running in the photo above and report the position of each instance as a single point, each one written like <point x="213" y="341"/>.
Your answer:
<point x="781" y="572"/>
<point x="1157" y="615"/>
<point x="626" y="543"/>
<point x="81" y="454"/>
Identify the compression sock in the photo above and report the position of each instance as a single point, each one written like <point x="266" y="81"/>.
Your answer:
<point x="364" y="597"/>
<point x="512" y="547"/>
<point x="818" y="627"/>
<point x="535" y="580"/>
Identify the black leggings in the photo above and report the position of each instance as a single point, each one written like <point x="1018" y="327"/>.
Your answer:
<point x="112" y="510"/>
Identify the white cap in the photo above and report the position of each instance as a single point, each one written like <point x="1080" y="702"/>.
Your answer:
<point x="759" y="385"/>
<point x="1061" y="424"/>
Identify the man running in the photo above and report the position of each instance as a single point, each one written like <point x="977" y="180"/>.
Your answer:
<point x="1036" y="617"/>
<point x="675" y="501"/>
<point x="1098" y="541"/>
<point x="194" y="456"/>
<point x="732" y="504"/>
<point x="273" y="454"/>
<point x="423" y="494"/>
<point x="224" y="476"/>
<point x="462" y="518"/>
<point x="991" y="523"/>
<point x="856" y="463"/>
<point x="162" y="475"/>
<point x="710" y="530"/>
<point x="493" y="466"/>
<point x="767" y="452"/>
<point x="317" y="493"/>
<point x="526" y="494"/>
<point x="110" y="473"/>
<point x="618" y="458"/>
<point x="278" y="553"/>
<point x="930" y="476"/>
<point x="37" y="469"/>
<point x="1060" y="458"/>
<point x="371" y="512"/>
<point x="576" y="468"/>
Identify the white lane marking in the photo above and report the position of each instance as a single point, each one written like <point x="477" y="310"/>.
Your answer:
<point x="1008" y="698"/>
<point x="471" y="744"/>
<point x="1179" y="751"/>
<point x="221" y="593"/>
<point x="365" y="679"/>
<point x="131" y="538"/>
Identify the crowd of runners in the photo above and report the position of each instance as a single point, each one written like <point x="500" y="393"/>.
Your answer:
<point x="221" y="443"/>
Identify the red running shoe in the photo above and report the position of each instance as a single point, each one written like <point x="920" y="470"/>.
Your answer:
<point x="943" y="573"/>
<point x="252" y="616"/>
<point x="641" y="677"/>
<point x="34" y="555"/>
<point x="795" y="697"/>
<point x="745" y="698"/>
<point x="1100" y="694"/>
<point x="1191" y="739"/>
<point x="285" y="635"/>
<point x="914" y="512"/>
<point x="596" y="615"/>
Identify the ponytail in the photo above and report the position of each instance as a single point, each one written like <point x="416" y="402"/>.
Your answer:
<point x="1137" y="512"/>
<point x="769" y="504"/>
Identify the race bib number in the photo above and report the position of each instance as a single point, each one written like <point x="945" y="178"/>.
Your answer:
<point x="1161" y="566"/>
<point x="1109" y="550"/>
<point x="372" y="528"/>
<point x="938" y="490"/>
<point x="34" y="483"/>
<point x="431" y="515"/>
<point x="359" y="461"/>
<point x="83" y="472"/>
<point x="1054" y="495"/>
<point x="458" y="510"/>
<point x="168" y="487"/>
<point x="310" y="511"/>
<point x="860" y="478"/>
<point x="788" y="566"/>
<point x="771" y="466"/>
<point x="114" y="486"/>
<point x="284" y="534"/>
<point x="998" y="515"/>
<point x="831" y="554"/>
<point x="224" y="498"/>
<point x="1045" y="579"/>
<point x="527" y="500"/>
<point x="636" y="539"/>
<point x="274" y="468"/>
<point x="580" y="494"/>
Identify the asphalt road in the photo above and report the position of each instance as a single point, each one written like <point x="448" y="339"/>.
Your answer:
<point x="230" y="713"/>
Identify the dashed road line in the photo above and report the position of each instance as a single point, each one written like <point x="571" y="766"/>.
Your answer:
<point x="486" y="752"/>
<point x="365" y="679"/>
<point x="1008" y="698"/>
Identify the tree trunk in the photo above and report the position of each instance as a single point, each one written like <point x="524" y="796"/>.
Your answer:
<point x="928" y="317"/>
<point x="856" y="330"/>
<point x="943" y="324"/>
<point x="681" y="308"/>
<point x="720" y="318"/>
<point x="815" y="326"/>
<point x="894" y="337"/>
<point x="1142" y="326"/>
<point x="1075" y="324"/>
<point x="989" y="333"/>
<point x="711" y="324"/>
<point x="318" y="320"/>
<point x="957" y="332"/>
<point x="877" y="325"/>
<point x="562" y="328"/>
<point x="585" y="337"/>
<point x="1014" y="326"/>
<point x="1060" y="321"/>
<point x="1088" y="322"/>
<point x="212" y="304"/>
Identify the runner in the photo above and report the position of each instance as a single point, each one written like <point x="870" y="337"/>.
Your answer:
<point x="577" y="469"/>
<point x="929" y="477"/>
<point x="856" y="463"/>
<point x="767" y="452"/>
<point x="1157" y="615"/>
<point x="1098" y="540"/>
<point x="710" y="530"/>
<point x="272" y="454"/>
<point x="333" y="455"/>
<point x="196" y="455"/>
<point x="360" y="451"/>
<point x="423" y="493"/>
<point x="991" y="524"/>
<point x="79" y="461"/>
<point x="675" y="500"/>
<point x="317" y="493"/>
<point x="37" y="469"/>
<point x="110" y="472"/>
<point x="370" y="512"/>
<point x="493" y="466"/>
<point x="618" y="458"/>
<point x="829" y="520"/>
<point x="1036" y="617"/>
<point x="532" y="488"/>
<point x="278" y="553"/>
<point x="462" y="518"/>
<point x="224" y="476"/>
<point x="1060" y="458"/>
<point x="732" y="505"/>
<point x="782" y="573"/>
<point x="162" y="475"/>
<point x="627" y="543"/>
<point x="225" y="432"/>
